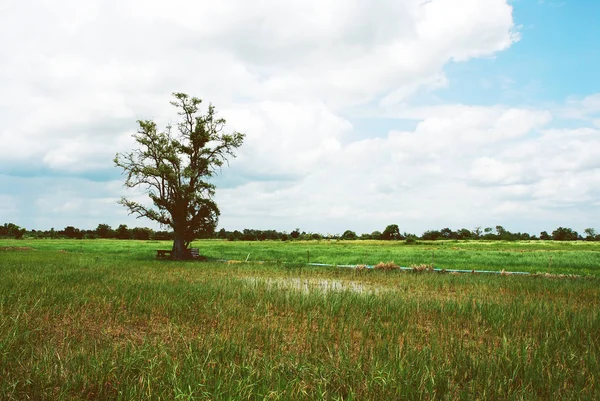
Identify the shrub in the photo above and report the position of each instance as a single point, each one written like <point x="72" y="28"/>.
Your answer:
<point x="411" y="240"/>
<point x="349" y="235"/>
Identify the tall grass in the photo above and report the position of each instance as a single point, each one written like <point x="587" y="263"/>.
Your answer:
<point x="98" y="326"/>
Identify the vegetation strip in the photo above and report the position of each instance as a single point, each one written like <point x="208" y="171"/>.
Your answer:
<point x="435" y="269"/>
<point x="107" y="320"/>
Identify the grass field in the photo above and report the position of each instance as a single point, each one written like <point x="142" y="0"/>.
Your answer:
<point x="105" y="320"/>
<point x="581" y="258"/>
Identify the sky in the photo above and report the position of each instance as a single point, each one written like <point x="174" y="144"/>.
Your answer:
<point x="357" y="114"/>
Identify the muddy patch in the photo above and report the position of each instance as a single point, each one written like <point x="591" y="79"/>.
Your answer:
<point x="15" y="248"/>
<point x="314" y="285"/>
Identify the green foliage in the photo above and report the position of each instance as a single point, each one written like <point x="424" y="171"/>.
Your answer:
<point x="464" y="233"/>
<point x="349" y="235"/>
<point x="431" y="235"/>
<point x="314" y="236"/>
<point x="141" y="234"/>
<point x="162" y="235"/>
<point x="591" y="235"/>
<point x="72" y="232"/>
<point x="105" y="231"/>
<point x="12" y="230"/>
<point x="447" y="233"/>
<point x="411" y="239"/>
<point x="122" y="232"/>
<point x="376" y="235"/>
<point x="564" y="234"/>
<point x="235" y="236"/>
<point x="391" y="232"/>
<point x="174" y="166"/>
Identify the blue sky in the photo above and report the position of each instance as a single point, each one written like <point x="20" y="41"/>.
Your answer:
<point x="358" y="115"/>
<point x="556" y="58"/>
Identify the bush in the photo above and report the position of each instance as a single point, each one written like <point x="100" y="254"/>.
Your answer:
<point x="411" y="240"/>
<point x="349" y="235"/>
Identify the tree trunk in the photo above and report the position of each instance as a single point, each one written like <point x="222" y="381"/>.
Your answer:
<point x="179" y="250"/>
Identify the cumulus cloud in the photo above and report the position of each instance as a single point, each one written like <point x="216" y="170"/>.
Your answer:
<point x="491" y="171"/>
<point x="286" y="138"/>
<point x="585" y="108"/>
<point x="74" y="70"/>
<point x="460" y="166"/>
<point x="294" y="76"/>
<point x="454" y="163"/>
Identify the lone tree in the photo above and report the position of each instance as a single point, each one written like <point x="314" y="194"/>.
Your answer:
<point x="174" y="167"/>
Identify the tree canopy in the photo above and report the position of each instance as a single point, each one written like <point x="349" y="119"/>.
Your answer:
<point x="391" y="232"/>
<point x="174" y="167"/>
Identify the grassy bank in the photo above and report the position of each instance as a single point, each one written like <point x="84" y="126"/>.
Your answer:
<point x="109" y="322"/>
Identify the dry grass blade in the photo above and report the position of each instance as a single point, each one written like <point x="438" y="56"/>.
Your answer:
<point x="386" y="266"/>
<point x="422" y="268"/>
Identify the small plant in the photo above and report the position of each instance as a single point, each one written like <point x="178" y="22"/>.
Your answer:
<point x="386" y="266"/>
<point x="422" y="268"/>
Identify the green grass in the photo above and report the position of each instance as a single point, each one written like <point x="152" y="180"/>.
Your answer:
<point x="581" y="258"/>
<point x="105" y="320"/>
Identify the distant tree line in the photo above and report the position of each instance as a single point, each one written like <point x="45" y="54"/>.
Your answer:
<point x="390" y="233"/>
<point x="10" y="230"/>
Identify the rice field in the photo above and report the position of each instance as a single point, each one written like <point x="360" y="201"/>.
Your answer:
<point x="579" y="258"/>
<point x="106" y="320"/>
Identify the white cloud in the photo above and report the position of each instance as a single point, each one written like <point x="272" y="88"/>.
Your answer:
<point x="294" y="76"/>
<point x="591" y="104"/>
<point x="491" y="171"/>
<point x="582" y="108"/>
<point x="286" y="138"/>
<point x="74" y="68"/>
<point x="461" y="166"/>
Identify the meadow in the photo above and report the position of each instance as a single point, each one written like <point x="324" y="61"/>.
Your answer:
<point x="577" y="257"/>
<point x="103" y="319"/>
